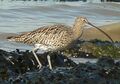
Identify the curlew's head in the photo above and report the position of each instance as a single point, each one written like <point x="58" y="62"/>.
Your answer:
<point x="78" y="26"/>
<point x="81" y="21"/>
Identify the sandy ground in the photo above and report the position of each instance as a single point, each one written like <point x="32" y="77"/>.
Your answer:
<point x="90" y="33"/>
<point x="113" y="30"/>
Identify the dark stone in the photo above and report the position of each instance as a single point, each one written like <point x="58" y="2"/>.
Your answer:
<point x="106" y="62"/>
<point x="20" y="67"/>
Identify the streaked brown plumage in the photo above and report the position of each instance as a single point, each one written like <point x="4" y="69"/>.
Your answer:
<point x="54" y="37"/>
<point x="58" y="36"/>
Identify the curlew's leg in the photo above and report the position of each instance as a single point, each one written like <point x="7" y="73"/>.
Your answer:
<point x="34" y="49"/>
<point x="49" y="61"/>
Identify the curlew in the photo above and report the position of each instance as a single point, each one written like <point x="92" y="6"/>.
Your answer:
<point x="54" y="37"/>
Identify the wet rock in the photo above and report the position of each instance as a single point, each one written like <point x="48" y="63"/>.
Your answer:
<point x="106" y="62"/>
<point x="108" y="68"/>
<point x="94" y="49"/>
<point x="117" y="63"/>
<point x="20" y="67"/>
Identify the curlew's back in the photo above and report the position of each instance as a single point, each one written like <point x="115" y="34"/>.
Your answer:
<point x="58" y="36"/>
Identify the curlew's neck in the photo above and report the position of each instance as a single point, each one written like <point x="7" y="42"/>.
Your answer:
<point x="78" y="29"/>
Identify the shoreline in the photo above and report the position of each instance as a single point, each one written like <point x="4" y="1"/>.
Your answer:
<point x="21" y="67"/>
<point x="89" y="33"/>
<point x="113" y="30"/>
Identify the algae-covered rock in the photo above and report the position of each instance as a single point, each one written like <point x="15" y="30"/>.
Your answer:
<point x="20" y="67"/>
<point x="17" y="69"/>
<point x="94" y="49"/>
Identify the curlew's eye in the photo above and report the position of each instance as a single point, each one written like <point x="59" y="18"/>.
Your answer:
<point x="84" y="20"/>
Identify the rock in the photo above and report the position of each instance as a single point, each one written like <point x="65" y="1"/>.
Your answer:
<point x="20" y="67"/>
<point x="106" y="62"/>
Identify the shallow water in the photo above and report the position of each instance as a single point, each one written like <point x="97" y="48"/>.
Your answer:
<point x="22" y="16"/>
<point x="11" y="46"/>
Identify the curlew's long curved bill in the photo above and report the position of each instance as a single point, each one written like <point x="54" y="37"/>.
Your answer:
<point x="101" y="31"/>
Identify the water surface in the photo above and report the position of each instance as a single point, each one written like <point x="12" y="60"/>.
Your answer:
<point x="22" y="16"/>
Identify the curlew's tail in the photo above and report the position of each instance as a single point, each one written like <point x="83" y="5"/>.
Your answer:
<point x="14" y="38"/>
<point x="11" y="38"/>
<point x="19" y="38"/>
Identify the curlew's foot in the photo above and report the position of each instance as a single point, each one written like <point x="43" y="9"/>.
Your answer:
<point x="39" y="67"/>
